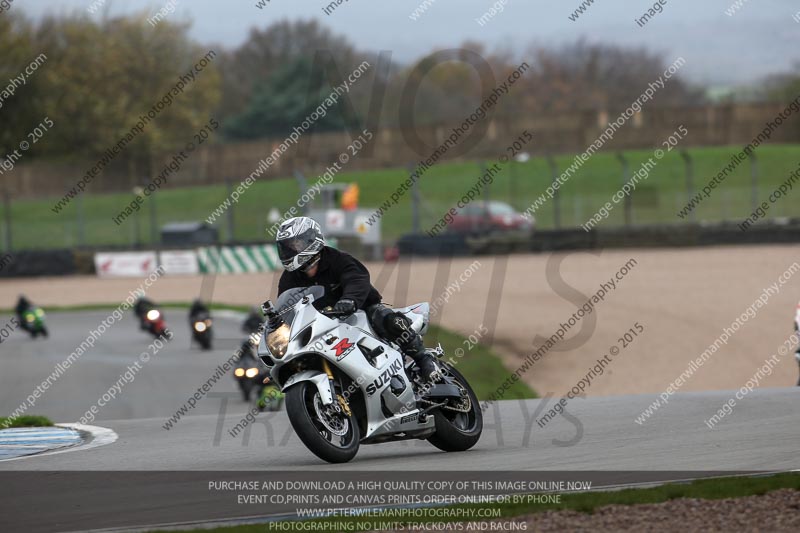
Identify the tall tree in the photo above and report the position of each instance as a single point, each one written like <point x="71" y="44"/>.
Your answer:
<point x="101" y="77"/>
<point x="19" y="102"/>
<point x="266" y="51"/>
<point x="283" y="102"/>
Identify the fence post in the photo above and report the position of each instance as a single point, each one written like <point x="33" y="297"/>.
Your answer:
<point x="229" y="212"/>
<point x="136" y="223"/>
<point x="81" y="222"/>
<point x="414" y="203"/>
<point x="155" y="235"/>
<point x="7" y="210"/>
<point x="512" y="182"/>
<point x="628" y="205"/>
<point x="303" y="185"/>
<point x="486" y="193"/>
<point x="753" y="180"/>
<point x="687" y="159"/>
<point x="557" y="193"/>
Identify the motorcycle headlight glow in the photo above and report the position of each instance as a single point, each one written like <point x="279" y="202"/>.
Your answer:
<point x="251" y="372"/>
<point x="199" y="327"/>
<point x="153" y="314"/>
<point x="29" y="318"/>
<point x="239" y="372"/>
<point x="278" y="341"/>
<point x="39" y="313"/>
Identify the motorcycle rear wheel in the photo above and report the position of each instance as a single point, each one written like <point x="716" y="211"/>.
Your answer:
<point x="302" y="403"/>
<point x="457" y="431"/>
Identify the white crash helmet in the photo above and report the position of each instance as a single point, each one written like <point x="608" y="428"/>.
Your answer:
<point x="299" y="239"/>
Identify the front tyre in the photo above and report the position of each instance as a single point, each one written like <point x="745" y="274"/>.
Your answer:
<point x="331" y="436"/>
<point x="458" y="424"/>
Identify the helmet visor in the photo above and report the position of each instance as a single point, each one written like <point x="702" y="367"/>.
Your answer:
<point x="289" y="248"/>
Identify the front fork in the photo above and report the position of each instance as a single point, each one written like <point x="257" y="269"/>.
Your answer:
<point x="342" y="401"/>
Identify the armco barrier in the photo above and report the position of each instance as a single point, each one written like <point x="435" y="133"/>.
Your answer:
<point x="264" y="257"/>
<point x="442" y="245"/>
<point x="37" y="263"/>
<point x="683" y="235"/>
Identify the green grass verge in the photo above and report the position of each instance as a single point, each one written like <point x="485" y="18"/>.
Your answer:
<point x="586" y="502"/>
<point x="26" y="421"/>
<point x="657" y="200"/>
<point x="481" y="366"/>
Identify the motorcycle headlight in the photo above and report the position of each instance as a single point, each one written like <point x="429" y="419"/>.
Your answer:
<point x="278" y="341"/>
<point x="239" y="372"/>
<point x="153" y="314"/>
<point x="29" y="318"/>
<point x="39" y="313"/>
<point x="199" y="327"/>
<point x="251" y="372"/>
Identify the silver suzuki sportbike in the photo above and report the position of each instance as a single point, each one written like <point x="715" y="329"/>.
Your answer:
<point x="345" y="386"/>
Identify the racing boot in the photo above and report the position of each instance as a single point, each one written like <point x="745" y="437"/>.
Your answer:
<point x="414" y="348"/>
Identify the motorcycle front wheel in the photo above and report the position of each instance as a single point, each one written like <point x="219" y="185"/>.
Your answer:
<point x="331" y="437"/>
<point x="458" y="426"/>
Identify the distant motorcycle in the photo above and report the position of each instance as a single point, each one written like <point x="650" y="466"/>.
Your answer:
<point x="201" y="329"/>
<point x="33" y="322"/>
<point x="253" y="322"/>
<point x="270" y="398"/>
<point x="150" y="318"/>
<point x="249" y="373"/>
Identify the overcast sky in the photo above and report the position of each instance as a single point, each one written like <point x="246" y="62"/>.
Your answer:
<point x="761" y="38"/>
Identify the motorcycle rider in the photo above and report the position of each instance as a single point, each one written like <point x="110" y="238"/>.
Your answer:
<point x="23" y="305"/>
<point x="140" y="309"/>
<point x="197" y="308"/>
<point x="253" y="321"/>
<point x="308" y="261"/>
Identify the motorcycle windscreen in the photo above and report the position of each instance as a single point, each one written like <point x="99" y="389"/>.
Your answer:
<point x="288" y="299"/>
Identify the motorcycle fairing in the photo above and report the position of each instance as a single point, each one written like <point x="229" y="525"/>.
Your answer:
<point x="388" y="412"/>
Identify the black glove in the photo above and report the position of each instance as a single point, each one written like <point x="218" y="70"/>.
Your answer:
<point x="343" y="307"/>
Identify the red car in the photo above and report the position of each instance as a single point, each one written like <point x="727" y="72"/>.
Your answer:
<point x="489" y="217"/>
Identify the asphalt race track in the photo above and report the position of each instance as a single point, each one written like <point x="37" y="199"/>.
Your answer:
<point x="599" y="434"/>
<point x="761" y="433"/>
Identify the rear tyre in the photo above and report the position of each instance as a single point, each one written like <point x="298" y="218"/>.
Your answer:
<point x="457" y="431"/>
<point x="246" y="388"/>
<point x="331" y="437"/>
